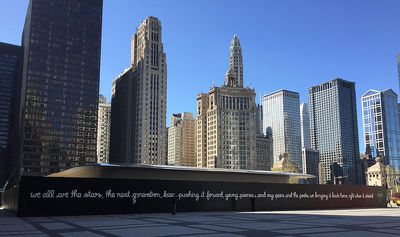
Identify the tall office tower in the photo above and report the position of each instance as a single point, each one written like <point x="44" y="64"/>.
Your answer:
<point x="142" y="91"/>
<point x="236" y="60"/>
<point x="10" y="78"/>
<point x="281" y="110"/>
<point x="226" y="125"/>
<point x="381" y="126"/>
<point x="182" y="140"/>
<point x="310" y="159"/>
<point x="305" y="126"/>
<point x="60" y="85"/>
<point x="103" y="130"/>
<point x="333" y="127"/>
<point x="264" y="152"/>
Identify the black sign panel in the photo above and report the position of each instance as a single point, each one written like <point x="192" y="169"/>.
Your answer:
<point x="46" y="196"/>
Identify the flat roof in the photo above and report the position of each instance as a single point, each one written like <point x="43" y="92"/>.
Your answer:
<point x="280" y="90"/>
<point x="165" y="172"/>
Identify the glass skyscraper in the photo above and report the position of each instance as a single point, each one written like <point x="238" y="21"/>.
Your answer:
<point x="60" y="85"/>
<point x="281" y="118"/>
<point x="10" y="77"/>
<point x="333" y="127"/>
<point x="381" y="125"/>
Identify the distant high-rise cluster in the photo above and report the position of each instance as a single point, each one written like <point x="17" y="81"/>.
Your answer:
<point x="139" y="101"/>
<point x="52" y="118"/>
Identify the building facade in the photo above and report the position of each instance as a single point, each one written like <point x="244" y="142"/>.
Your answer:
<point x="381" y="126"/>
<point x="10" y="77"/>
<point x="103" y="130"/>
<point x="182" y="140"/>
<point x="140" y="93"/>
<point x="305" y="126"/>
<point x="281" y="111"/>
<point x="264" y="152"/>
<point x="333" y="128"/>
<point x="365" y="162"/>
<point x="376" y="174"/>
<point x="123" y="117"/>
<point x="398" y="66"/>
<point x="259" y="119"/>
<point x="226" y="122"/>
<point x="60" y="85"/>
<point x="310" y="160"/>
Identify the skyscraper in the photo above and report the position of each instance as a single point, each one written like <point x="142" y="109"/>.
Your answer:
<point x="381" y="126"/>
<point x="226" y="124"/>
<point x="333" y="127"/>
<point x="305" y="126"/>
<point x="123" y="117"/>
<point x="138" y="129"/>
<point x="281" y="111"/>
<point x="60" y="85"/>
<point x="10" y="78"/>
<point x="182" y="140"/>
<point x="103" y="130"/>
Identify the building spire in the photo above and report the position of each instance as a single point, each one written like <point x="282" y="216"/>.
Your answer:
<point x="236" y="60"/>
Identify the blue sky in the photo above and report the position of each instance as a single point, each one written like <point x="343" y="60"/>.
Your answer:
<point x="286" y="44"/>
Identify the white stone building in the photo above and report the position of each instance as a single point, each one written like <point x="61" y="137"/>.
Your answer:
<point x="140" y="97"/>
<point x="376" y="174"/>
<point x="226" y="120"/>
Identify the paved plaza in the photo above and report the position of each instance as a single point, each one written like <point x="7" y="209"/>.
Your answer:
<point x="383" y="222"/>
